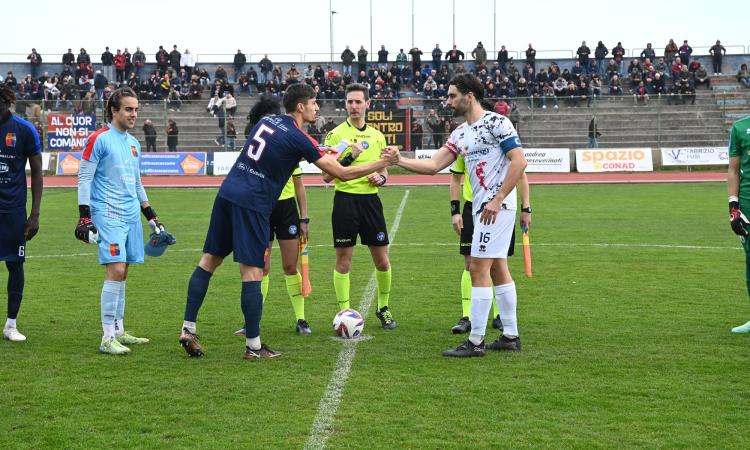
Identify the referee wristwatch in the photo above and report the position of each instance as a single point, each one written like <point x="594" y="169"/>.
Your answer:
<point x="526" y="209"/>
<point x="305" y="220"/>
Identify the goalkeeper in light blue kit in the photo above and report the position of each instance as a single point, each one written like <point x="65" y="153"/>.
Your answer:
<point x="110" y="198"/>
<point x="738" y="188"/>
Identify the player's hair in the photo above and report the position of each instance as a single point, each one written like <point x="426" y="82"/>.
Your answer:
<point x="466" y="83"/>
<point x="358" y="87"/>
<point x="487" y="105"/>
<point x="7" y="95"/>
<point x="267" y="105"/>
<point x="116" y="98"/>
<point x="295" y="94"/>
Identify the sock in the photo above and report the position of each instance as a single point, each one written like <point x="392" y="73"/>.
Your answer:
<point x="252" y="307"/>
<point x="466" y="293"/>
<point x="110" y="293"/>
<point x="15" y="287"/>
<point x="481" y="302"/>
<point x="120" y="314"/>
<point x="294" y="289"/>
<point x="10" y="323"/>
<point x="341" y="286"/>
<point x="189" y="325"/>
<point x="253" y="343"/>
<point x="384" y="287"/>
<point x="264" y="286"/>
<point x="197" y="288"/>
<point x="505" y="296"/>
<point x="495" y="311"/>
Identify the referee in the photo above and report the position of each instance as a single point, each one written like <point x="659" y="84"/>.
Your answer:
<point x="357" y="209"/>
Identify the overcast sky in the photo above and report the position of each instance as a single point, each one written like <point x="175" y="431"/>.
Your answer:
<point x="300" y="28"/>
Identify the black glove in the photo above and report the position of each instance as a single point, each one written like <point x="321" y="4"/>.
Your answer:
<point x="85" y="229"/>
<point x="737" y="220"/>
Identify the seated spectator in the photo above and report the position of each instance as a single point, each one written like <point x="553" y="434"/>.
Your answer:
<point x="571" y="97"/>
<point x="566" y="75"/>
<point x="522" y="88"/>
<point x="661" y="67"/>
<point x="513" y="73"/>
<point x="213" y="104"/>
<point x="701" y="77"/>
<point x="185" y="91"/>
<point x="648" y="78"/>
<point x="640" y="94"/>
<point x="634" y="64"/>
<point x="577" y="70"/>
<point x="686" y="87"/>
<point x="548" y="95"/>
<point x="582" y="91"/>
<point x="615" y="87"/>
<point x="694" y="65"/>
<point x="292" y="75"/>
<point x="196" y="88"/>
<point x="676" y="69"/>
<point x="658" y="86"/>
<point x="173" y="99"/>
<point x="636" y="77"/>
<point x="612" y="69"/>
<point x="541" y="77"/>
<point x="743" y="76"/>
<point x="220" y="74"/>
<point x="595" y="87"/>
<point x="535" y="95"/>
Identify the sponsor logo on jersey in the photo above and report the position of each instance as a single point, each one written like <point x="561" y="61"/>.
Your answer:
<point x="114" y="249"/>
<point x="293" y="229"/>
<point x="380" y="237"/>
<point x="134" y="151"/>
<point x="4" y="168"/>
<point x="10" y="140"/>
<point x="482" y="248"/>
<point x="365" y="145"/>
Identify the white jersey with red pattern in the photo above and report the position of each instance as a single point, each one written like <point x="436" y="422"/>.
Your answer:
<point x="484" y="145"/>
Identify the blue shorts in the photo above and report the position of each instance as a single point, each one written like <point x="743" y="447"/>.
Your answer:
<point x="238" y="230"/>
<point x="119" y="241"/>
<point x="12" y="240"/>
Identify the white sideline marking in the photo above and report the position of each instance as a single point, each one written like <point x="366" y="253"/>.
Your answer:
<point x="321" y="427"/>
<point x="453" y="244"/>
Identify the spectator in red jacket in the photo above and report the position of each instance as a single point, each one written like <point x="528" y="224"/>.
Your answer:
<point x="120" y="62"/>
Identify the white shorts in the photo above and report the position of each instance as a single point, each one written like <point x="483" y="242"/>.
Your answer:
<point x="493" y="240"/>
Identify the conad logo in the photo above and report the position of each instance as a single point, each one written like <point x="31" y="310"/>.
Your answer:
<point x="613" y="155"/>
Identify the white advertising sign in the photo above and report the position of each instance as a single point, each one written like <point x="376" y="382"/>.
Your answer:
<point x="547" y="159"/>
<point x="223" y="162"/>
<point x="694" y="156"/>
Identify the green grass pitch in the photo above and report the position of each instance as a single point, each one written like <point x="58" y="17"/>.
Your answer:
<point x="625" y="326"/>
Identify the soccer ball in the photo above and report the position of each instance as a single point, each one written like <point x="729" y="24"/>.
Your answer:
<point x="348" y="324"/>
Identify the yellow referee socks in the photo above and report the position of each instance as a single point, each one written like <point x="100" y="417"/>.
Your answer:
<point x="294" y="288"/>
<point x="466" y="293"/>
<point x="341" y="286"/>
<point x="384" y="287"/>
<point x="264" y="286"/>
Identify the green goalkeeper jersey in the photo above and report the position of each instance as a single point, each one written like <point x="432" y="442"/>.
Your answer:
<point x="372" y="142"/>
<point x="739" y="145"/>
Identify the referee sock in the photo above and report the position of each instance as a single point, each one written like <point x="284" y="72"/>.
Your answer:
<point x="294" y="289"/>
<point x="466" y="293"/>
<point x="384" y="287"/>
<point x="120" y="314"/>
<point x="252" y="307"/>
<point x="110" y="294"/>
<point x="341" y="286"/>
<point x="15" y="288"/>
<point x="197" y="288"/>
<point x="495" y="310"/>
<point x="481" y="303"/>
<point x="505" y="296"/>
<point x="264" y="286"/>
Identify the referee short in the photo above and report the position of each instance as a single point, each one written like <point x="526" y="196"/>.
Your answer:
<point x="12" y="240"/>
<point x="285" y="220"/>
<point x="238" y="230"/>
<point x="358" y="214"/>
<point x="468" y="232"/>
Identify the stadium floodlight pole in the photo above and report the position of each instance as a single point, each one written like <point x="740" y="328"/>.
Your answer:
<point x="412" y="23"/>
<point x="494" y="27"/>
<point x="454" y="22"/>
<point x="370" y="28"/>
<point x="331" y="12"/>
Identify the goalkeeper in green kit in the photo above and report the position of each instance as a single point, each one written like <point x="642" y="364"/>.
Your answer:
<point x="738" y="187"/>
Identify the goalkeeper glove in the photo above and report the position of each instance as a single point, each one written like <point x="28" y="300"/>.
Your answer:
<point x="85" y="229"/>
<point x="737" y="220"/>
<point x="153" y="221"/>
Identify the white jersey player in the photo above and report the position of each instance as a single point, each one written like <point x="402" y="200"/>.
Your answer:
<point x="490" y="147"/>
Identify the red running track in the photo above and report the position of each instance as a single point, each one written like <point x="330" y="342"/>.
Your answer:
<point x="424" y="180"/>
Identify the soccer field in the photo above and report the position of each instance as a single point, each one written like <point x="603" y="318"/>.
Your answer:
<point x="625" y="328"/>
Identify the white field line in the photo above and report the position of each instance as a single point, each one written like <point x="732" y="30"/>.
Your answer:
<point x="321" y="428"/>
<point x="453" y="244"/>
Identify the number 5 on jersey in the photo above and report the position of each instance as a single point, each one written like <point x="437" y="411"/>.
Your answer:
<point x="258" y="142"/>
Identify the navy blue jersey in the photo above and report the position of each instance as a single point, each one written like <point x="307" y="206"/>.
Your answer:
<point x="272" y="152"/>
<point x="19" y="141"/>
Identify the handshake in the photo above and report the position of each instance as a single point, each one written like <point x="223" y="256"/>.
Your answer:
<point x="391" y="154"/>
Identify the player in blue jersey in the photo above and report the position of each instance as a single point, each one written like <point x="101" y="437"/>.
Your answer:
<point x="110" y="200"/>
<point x="240" y="218"/>
<point x="20" y="142"/>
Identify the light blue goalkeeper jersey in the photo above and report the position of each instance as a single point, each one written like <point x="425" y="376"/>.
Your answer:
<point x="110" y="180"/>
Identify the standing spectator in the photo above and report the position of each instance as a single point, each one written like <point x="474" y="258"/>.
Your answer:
<point x="239" y="64"/>
<point x="416" y="59"/>
<point x="685" y="51"/>
<point x="417" y="131"/>
<point x="531" y="57"/>
<point x="479" y="54"/>
<point x="583" y="53"/>
<point x="600" y="52"/>
<point x="502" y="60"/>
<point x="437" y="56"/>
<point x="594" y="134"/>
<point x="383" y="55"/>
<point x="648" y="53"/>
<point x="68" y="60"/>
<point x="618" y="53"/>
<point x="435" y="123"/>
<point x="35" y="59"/>
<point x="100" y="82"/>
<point x="162" y="60"/>
<point x="119" y="61"/>
<point x="139" y="60"/>
<point x="670" y="51"/>
<point x="187" y="61"/>
<point x="150" y="133"/>
<point x="221" y="117"/>
<point x="231" y="134"/>
<point x="454" y="56"/>
<point x="172" y="135"/>
<point x="743" y="76"/>
<point x="362" y="58"/>
<point x="174" y="59"/>
<point x="128" y="62"/>
<point x="108" y="60"/>
<point x="401" y="60"/>
<point x="717" y="52"/>
<point x="266" y="66"/>
<point x="347" y="58"/>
